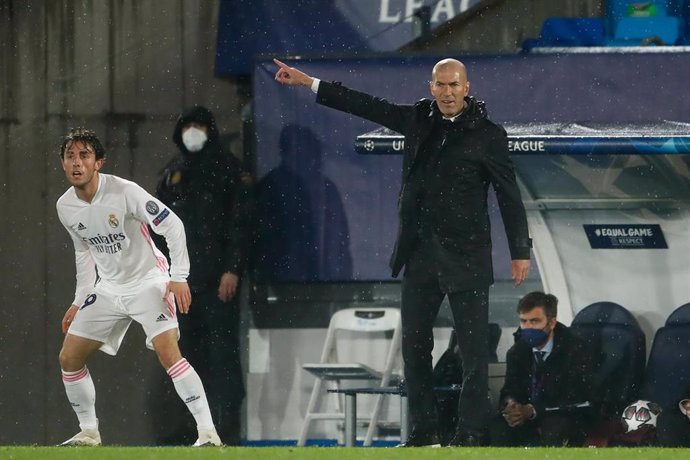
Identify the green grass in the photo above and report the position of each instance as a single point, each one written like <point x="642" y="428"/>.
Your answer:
<point x="335" y="453"/>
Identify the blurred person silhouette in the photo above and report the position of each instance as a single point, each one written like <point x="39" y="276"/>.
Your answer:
<point x="205" y="186"/>
<point x="303" y="230"/>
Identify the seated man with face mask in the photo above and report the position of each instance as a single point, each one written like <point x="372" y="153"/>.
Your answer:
<point x="546" y="398"/>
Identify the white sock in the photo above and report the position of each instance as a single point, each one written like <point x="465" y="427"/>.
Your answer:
<point x="188" y="385"/>
<point x="82" y="396"/>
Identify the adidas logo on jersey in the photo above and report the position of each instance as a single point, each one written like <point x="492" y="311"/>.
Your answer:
<point x="81" y="226"/>
<point x="161" y="317"/>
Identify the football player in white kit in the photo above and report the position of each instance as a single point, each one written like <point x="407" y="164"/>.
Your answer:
<point x="121" y="276"/>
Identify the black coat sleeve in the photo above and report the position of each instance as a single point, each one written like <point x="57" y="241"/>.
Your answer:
<point x="502" y="175"/>
<point x="517" y="381"/>
<point x="393" y="116"/>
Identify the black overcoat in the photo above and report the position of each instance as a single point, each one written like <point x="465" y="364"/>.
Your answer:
<point x="472" y="157"/>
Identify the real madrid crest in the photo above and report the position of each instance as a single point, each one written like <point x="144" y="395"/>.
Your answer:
<point x="112" y="220"/>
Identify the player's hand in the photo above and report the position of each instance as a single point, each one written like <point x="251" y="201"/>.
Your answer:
<point x="69" y="317"/>
<point x="519" y="270"/>
<point x="228" y="286"/>
<point x="183" y="296"/>
<point x="290" y="75"/>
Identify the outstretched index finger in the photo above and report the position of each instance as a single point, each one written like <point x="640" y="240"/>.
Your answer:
<point x="280" y="64"/>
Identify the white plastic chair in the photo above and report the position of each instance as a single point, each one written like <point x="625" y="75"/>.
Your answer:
<point x="362" y="321"/>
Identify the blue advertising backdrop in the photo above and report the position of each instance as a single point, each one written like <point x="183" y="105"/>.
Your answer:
<point x="330" y="214"/>
<point x="249" y="28"/>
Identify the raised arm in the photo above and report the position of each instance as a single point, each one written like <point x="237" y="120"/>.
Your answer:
<point x="291" y="76"/>
<point x="339" y="97"/>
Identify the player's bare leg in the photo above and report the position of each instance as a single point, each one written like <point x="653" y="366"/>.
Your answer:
<point x="79" y="388"/>
<point x="188" y="386"/>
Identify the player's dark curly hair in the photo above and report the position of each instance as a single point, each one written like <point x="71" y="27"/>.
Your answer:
<point x="86" y="136"/>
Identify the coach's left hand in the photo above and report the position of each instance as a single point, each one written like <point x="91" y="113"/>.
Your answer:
<point x="519" y="270"/>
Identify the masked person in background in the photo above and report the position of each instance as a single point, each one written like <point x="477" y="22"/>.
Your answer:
<point x="546" y="399"/>
<point x="204" y="186"/>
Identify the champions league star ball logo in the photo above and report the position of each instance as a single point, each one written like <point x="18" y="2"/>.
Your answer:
<point x="112" y="221"/>
<point x="369" y="145"/>
<point x="152" y="208"/>
<point x="640" y="414"/>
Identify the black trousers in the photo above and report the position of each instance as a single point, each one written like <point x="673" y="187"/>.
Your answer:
<point x="554" y="430"/>
<point x="421" y="300"/>
<point x="210" y="340"/>
<point x="673" y="428"/>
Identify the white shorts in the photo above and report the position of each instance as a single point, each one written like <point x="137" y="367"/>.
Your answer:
<point x="106" y="317"/>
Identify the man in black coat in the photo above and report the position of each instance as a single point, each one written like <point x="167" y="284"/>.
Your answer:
<point x="204" y="185"/>
<point x="453" y="152"/>
<point x="547" y="396"/>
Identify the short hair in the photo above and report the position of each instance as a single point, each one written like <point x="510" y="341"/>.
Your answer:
<point x="83" y="135"/>
<point x="548" y="302"/>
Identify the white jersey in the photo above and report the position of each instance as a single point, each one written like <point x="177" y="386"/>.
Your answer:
<point x="111" y="234"/>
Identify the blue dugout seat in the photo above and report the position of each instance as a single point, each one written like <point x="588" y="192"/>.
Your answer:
<point x="568" y="32"/>
<point x="618" y="344"/>
<point x="668" y="369"/>
<point x="635" y="23"/>
<point x="659" y="30"/>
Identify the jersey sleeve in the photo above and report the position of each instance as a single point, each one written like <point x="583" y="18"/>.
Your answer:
<point x="150" y="210"/>
<point x="85" y="266"/>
